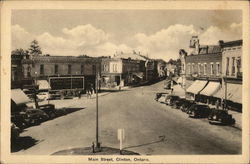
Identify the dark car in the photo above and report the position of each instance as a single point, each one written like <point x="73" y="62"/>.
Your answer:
<point x="171" y="99"/>
<point x="199" y="111"/>
<point x="177" y="104"/>
<point x="159" y="95"/>
<point x="18" y="118"/>
<point x="35" y="116"/>
<point x="15" y="132"/>
<point x="186" y="105"/>
<point x="49" y="109"/>
<point x="218" y="116"/>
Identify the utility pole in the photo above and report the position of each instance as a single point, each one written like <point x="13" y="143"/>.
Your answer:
<point x="98" y="145"/>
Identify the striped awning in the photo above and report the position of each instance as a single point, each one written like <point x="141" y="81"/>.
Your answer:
<point x="234" y="92"/>
<point x="211" y="88"/>
<point x="19" y="97"/>
<point x="197" y="86"/>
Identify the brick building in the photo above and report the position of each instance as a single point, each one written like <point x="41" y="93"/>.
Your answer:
<point x="46" y="67"/>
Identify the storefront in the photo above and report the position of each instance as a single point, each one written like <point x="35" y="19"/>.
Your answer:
<point x="195" y="89"/>
<point x="206" y="95"/>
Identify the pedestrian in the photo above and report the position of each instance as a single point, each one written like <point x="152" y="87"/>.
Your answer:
<point x="217" y="104"/>
<point x="79" y="94"/>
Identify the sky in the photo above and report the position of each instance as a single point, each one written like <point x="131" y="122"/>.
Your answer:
<point x="156" y="33"/>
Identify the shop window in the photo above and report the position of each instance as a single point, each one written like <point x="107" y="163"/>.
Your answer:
<point x="56" y="69"/>
<point x="42" y="69"/>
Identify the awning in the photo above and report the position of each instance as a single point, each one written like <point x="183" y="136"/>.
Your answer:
<point x="180" y="80"/>
<point x="138" y="74"/>
<point x="211" y="88"/>
<point x="19" y="97"/>
<point x="43" y="84"/>
<point x="197" y="86"/>
<point x="234" y="92"/>
<point x="178" y="90"/>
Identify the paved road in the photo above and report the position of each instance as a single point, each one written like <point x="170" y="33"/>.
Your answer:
<point x="150" y="127"/>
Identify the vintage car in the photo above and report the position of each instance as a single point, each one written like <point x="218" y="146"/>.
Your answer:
<point x="18" y="118"/>
<point x="178" y="103"/>
<point x="186" y="105"/>
<point x="15" y="132"/>
<point x="199" y="111"/>
<point x="218" y="116"/>
<point x="171" y="99"/>
<point x="35" y="116"/>
<point x="49" y="109"/>
<point x="160" y="95"/>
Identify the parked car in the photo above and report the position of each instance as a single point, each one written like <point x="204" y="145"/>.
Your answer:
<point x="35" y="116"/>
<point x="49" y="109"/>
<point x="218" y="116"/>
<point x="170" y="99"/>
<point x="199" y="111"/>
<point x="15" y="132"/>
<point x="177" y="104"/>
<point x="18" y="118"/>
<point x="186" y="105"/>
<point x="160" y="97"/>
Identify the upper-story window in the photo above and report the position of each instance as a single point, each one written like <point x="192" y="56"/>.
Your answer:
<point x="94" y="69"/>
<point x="69" y="69"/>
<point x="29" y="71"/>
<point x="205" y="68"/>
<point x="56" y="69"/>
<point x="189" y="68"/>
<point x="217" y="69"/>
<point x="239" y="65"/>
<point x="82" y="69"/>
<point x="41" y="69"/>
<point x="227" y="66"/>
<point x="199" y="68"/>
<point x="211" y="68"/>
<point x="115" y="67"/>
<point x="193" y="70"/>
<point x="233" y="66"/>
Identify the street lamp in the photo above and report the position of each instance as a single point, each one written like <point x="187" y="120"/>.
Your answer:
<point x="98" y="145"/>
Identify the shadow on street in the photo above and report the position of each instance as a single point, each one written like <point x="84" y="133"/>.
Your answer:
<point x="162" y="139"/>
<point x="23" y="143"/>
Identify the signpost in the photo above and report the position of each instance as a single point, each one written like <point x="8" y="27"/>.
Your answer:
<point x="121" y="137"/>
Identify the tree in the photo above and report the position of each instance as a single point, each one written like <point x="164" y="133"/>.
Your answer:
<point x="35" y="48"/>
<point x="20" y="52"/>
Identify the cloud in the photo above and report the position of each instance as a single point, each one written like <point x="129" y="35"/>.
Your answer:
<point x="87" y="39"/>
<point x="20" y="38"/>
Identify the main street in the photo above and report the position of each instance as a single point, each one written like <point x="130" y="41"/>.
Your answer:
<point x="150" y="127"/>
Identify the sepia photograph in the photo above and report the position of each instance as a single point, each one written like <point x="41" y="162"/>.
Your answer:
<point x="125" y="84"/>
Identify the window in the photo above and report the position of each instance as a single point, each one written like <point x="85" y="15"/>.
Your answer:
<point x="227" y="66"/>
<point x="56" y="69"/>
<point x="29" y="71"/>
<point x="93" y="69"/>
<point x="211" y="68"/>
<point x="41" y="69"/>
<point x="69" y="69"/>
<point x="199" y="68"/>
<point x="193" y="68"/>
<point x="217" y="69"/>
<point x="233" y="66"/>
<point x="205" y="68"/>
<point x="239" y="64"/>
<point x="82" y="69"/>
<point x="115" y="67"/>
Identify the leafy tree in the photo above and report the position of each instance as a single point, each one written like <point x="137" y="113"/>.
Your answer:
<point x="35" y="48"/>
<point x="20" y="52"/>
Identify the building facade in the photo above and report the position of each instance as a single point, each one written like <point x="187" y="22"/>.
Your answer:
<point x="45" y="67"/>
